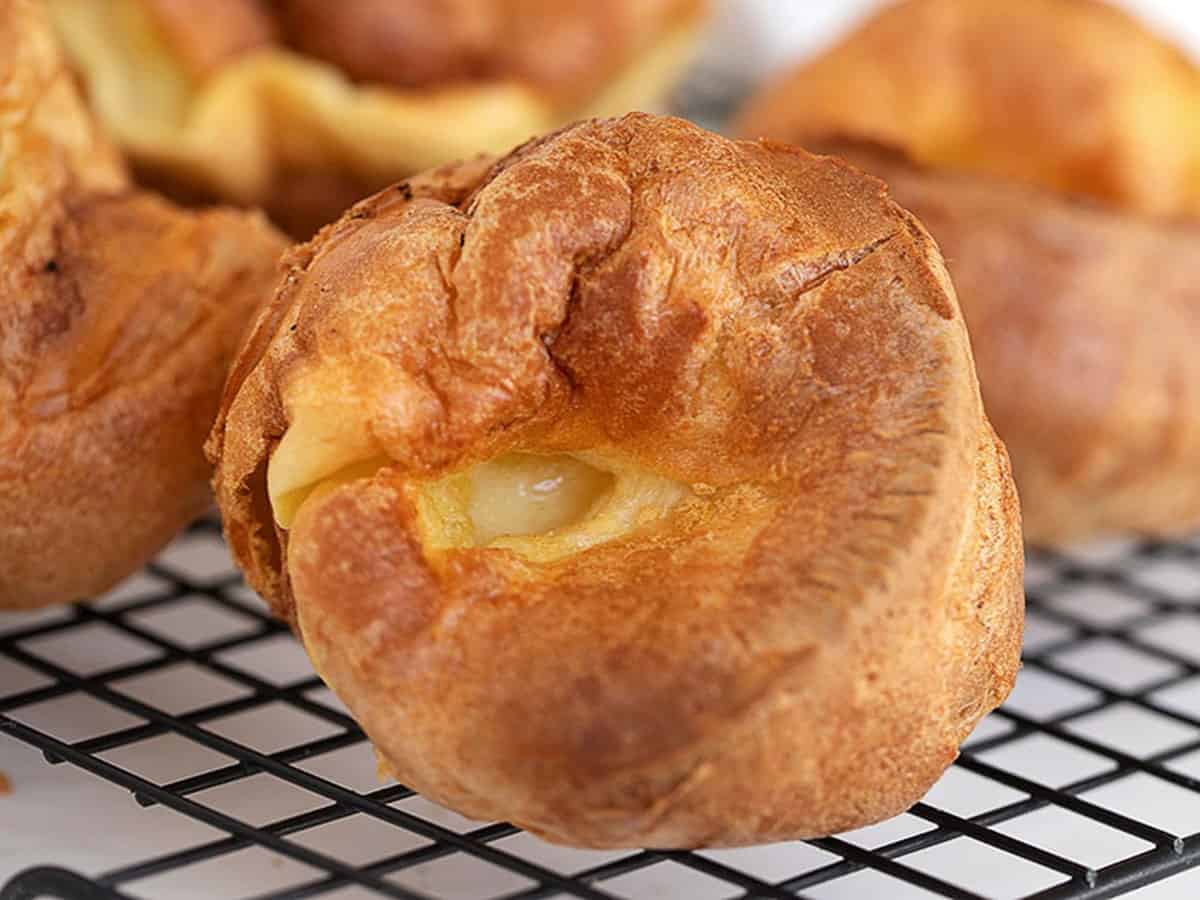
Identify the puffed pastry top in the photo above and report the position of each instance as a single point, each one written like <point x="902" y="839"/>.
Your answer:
<point x="1072" y="96"/>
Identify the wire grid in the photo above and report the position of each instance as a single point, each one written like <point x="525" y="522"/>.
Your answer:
<point x="1110" y="679"/>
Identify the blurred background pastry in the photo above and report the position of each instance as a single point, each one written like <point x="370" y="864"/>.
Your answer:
<point x="119" y="315"/>
<point x="1053" y="149"/>
<point x="305" y="106"/>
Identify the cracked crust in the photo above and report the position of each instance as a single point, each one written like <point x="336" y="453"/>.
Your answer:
<point x="1082" y="313"/>
<point x="304" y="108"/>
<point x="795" y="649"/>
<point x="118" y="317"/>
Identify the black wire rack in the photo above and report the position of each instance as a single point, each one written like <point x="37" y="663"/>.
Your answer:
<point x="1084" y="785"/>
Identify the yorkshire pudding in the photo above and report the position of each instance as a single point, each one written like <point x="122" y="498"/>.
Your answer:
<point x="119" y="316"/>
<point x="635" y="488"/>
<point x="1053" y="150"/>
<point x="305" y="106"/>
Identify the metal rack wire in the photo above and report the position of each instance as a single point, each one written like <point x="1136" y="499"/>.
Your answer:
<point x="1111" y="684"/>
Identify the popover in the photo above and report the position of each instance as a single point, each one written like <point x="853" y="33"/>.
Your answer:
<point x="634" y="488"/>
<point x="1052" y="147"/>
<point x="306" y="106"/>
<point x="119" y="316"/>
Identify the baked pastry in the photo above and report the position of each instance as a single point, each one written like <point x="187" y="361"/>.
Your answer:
<point x="635" y="489"/>
<point x="1052" y="147"/>
<point x="1074" y="96"/>
<point x="118" y="317"/>
<point x="305" y="106"/>
<point x="1094" y="387"/>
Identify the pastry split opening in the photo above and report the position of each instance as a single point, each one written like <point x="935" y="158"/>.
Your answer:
<point x="286" y="503"/>
<point x="543" y="506"/>
<point x="525" y="495"/>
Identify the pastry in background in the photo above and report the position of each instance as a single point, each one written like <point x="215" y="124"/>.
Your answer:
<point x="635" y="489"/>
<point x="305" y="106"/>
<point x="1052" y="147"/>
<point x="1084" y="322"/>
<point x="1073" y="96"/>
<point x="119" y="316"/>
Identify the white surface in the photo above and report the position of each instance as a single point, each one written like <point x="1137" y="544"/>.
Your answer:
<point x="62" y="815"/>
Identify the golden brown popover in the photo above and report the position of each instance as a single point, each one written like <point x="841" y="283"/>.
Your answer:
<point x="635" y="488"/>
<point x="305" y="106"/>
<point x="1056" y="159"/>
<point x="119" y="315"/>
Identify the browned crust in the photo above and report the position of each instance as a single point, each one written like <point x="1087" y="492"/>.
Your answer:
<point x="798" y="649"/>
<point x="118" y="318"/>
<point x="1071" y="95"/>
<point x="299" y="201"/>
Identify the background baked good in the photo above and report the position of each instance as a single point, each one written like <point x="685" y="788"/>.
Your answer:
<point x="119" y="315"/>
<point x="305" y="107"/>
<point x="1054" y="151"/>
<point x="1073" y="96"/>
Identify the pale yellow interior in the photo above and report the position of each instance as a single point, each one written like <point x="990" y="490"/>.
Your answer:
<point x="520" y="494"/>
<point x="541" y="506"/>
<point x="324" y="443"/>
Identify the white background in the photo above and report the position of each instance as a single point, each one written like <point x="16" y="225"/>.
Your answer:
<point x="754" y="37"/>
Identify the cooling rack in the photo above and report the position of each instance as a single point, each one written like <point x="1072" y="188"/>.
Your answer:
<point x="179" y="689"/>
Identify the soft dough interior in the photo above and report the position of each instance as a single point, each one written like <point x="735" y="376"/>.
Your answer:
<point x="543" y="506"/>
<point x="523" y="495"/>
